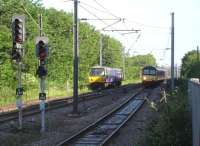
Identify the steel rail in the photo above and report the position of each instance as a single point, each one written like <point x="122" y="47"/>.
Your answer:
<point x="98" y="133"/>
<point x="51" y="105"/>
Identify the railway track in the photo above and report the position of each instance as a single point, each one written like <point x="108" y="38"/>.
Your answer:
<point x="58" y="103"/>
<point x="34" y="109"/>
<point x="100" y="132"/>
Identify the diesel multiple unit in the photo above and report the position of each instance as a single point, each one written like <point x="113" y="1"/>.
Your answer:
<point x="151" y="75"/>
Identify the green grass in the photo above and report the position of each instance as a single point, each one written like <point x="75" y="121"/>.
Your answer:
<point x="8" y="97"/>
<point x="53" y="90"/>
<point x="131" y="81"/>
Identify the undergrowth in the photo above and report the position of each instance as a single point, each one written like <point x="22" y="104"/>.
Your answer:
<point x="173" y="126"/>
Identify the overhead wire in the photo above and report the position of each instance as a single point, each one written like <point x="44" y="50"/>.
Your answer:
<point x="147" y="25"/>
<point x="124" y="23"/>
<point x="93" y="7"/>
<point x="107" y="25"/>
<point x="136" y="40"/>
<point x="118" y="19"/>
<point x="105" y="9"/>
<point x="92" y="14"/>
<point x="67" y="0"/>
<point x="112" y="24"/>
<point x="167" y="46"/>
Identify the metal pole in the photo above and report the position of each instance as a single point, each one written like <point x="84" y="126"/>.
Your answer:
<point x="19" y="96"/>
<point x="75" y="69"/>
<point x="197" y="53"/>
<point x="172" y="51"/>
<point x="67" y="73"/>
<point x="123" y="57"/>
<point x="100" y="50"/>
<point x="42" y="84"/>
<point x="40" y="24"/>
<point x="42" y="104"/>
<point x="17" y="55"/>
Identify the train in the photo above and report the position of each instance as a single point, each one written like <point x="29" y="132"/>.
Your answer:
<point x="101" y="77"/>
<point x="152" y="75"/>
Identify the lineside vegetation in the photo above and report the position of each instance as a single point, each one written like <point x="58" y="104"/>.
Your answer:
<point x="57" y="26"/>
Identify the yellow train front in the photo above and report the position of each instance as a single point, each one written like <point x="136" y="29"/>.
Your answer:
<point x="101" y="77"/>
<point x="152" y="75"/>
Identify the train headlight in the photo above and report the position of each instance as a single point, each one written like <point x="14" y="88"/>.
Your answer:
<point x="90" y="79"/>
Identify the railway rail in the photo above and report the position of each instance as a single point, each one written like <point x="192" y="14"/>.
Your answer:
<point x="58" y="103"/>
<point x="100" y="132"/>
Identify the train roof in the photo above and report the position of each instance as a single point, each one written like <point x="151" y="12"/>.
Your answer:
<point x="149" y="66"/>
<point x="157" y="68"/>
<point x="106" y="67"/>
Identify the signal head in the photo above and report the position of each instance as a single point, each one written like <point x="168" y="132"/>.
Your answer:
<point x="18" y="29"/>
<point x="42" y="48"/>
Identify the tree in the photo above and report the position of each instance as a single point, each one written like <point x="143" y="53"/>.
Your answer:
<point x="134" y="65"/>
<point x="57" y="26"/>
<point x="190" y="66"/>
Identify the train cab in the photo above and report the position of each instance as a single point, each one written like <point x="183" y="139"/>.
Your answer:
<point x="102" y="77"/>
<point x="152" y="75"/>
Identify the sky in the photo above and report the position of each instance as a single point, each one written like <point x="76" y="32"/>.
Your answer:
<point x="151" y="17"/>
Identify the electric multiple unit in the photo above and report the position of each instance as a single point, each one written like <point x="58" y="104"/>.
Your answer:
<point x="101" y="77"/>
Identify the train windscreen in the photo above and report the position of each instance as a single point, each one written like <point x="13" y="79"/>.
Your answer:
<point x="97" y="72"/>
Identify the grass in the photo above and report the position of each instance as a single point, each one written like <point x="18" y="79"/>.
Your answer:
<point x="8" y="97"/>
<point x="53" y="90"/>
<point x="131" y="81"/>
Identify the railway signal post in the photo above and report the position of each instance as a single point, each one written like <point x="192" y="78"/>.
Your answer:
<point x="18" y="36"/>
<point x="42" y="54"/>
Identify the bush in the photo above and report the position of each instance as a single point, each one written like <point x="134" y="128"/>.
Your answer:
<point x="173" y="127"/>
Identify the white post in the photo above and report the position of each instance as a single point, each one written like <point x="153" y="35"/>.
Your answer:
<point x="19" y="95"/>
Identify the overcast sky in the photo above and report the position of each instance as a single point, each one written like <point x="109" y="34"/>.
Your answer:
<point x="152" y="17"/>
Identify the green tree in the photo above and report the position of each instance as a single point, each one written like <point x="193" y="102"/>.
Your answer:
<point x="190" y="66"/>
<point x="134" y="65"/>
<point x="57" y="26"/>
